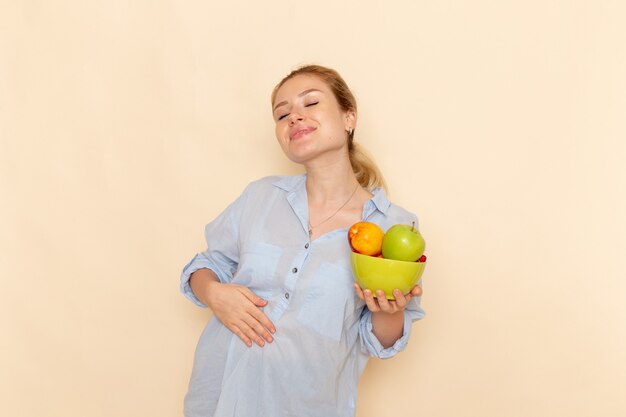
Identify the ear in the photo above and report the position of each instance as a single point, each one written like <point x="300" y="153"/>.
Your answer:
<point x="350" y="119"/>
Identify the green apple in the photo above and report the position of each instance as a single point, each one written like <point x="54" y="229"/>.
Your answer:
<point x="403" y="242"/>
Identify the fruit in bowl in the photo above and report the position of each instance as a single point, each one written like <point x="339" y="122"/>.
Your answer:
<point x="366" y="238"/>
<point x="403" y="242"/>
<point x="386" y="261"/>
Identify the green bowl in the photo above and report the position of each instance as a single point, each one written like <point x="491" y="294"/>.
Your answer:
<point x="385" y="274"/>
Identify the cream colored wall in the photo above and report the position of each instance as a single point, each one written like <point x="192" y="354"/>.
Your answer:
<point x="126" y="126"/>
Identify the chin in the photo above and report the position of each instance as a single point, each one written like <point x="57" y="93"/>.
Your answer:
<point x="296" y="158"/>
<point x="299" y="155"/>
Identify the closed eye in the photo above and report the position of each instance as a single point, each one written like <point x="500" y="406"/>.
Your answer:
<point x="306" y="105"/>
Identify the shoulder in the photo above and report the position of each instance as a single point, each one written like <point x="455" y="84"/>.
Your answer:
<point x="258" y="194"/>
<point x="392" y="213"/>
<point x="397" y="212"/>
<point x="267" y="188"/>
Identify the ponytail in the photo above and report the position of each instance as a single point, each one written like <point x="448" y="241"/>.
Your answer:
<point x="364" y="167"/>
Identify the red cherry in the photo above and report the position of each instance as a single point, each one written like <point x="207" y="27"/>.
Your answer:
<point x="422" y="258"/>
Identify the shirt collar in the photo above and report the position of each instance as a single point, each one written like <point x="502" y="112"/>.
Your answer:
<point x="378" y="201"/>
<point x="290" y="183"/>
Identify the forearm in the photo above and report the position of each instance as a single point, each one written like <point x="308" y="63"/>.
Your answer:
<point x="388" y="327"/>
<point x="200" y="281"/>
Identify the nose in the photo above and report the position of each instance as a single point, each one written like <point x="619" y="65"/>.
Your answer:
<point x="294" y="117"/>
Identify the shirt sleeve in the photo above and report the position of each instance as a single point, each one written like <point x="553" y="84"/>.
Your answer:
<point x="370" y="343"/>
<point x="222" y="253"/>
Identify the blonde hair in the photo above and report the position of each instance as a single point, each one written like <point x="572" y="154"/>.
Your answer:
<point x="363" y="165"/>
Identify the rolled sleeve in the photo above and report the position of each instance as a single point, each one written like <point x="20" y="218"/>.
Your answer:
<point x="370" y="343"/>
<point x="200" y="261"/>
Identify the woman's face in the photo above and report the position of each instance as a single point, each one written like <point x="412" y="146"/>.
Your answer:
<point x="309" y="122"/>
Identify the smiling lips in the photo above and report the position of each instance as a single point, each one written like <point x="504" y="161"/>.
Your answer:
<point x="300" y="131"/>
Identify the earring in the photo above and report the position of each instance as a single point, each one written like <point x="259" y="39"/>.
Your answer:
<point x="350" y="130"/>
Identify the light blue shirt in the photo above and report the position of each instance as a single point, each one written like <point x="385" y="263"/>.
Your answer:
<point x="323" y="333"/>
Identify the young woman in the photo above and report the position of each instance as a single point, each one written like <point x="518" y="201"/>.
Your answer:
<point x="291" y="332"/>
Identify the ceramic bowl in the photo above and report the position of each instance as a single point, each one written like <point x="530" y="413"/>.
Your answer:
<point x="385" y="274"/>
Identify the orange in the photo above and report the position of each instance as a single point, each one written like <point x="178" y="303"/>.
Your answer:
<point x="366" y="238"/>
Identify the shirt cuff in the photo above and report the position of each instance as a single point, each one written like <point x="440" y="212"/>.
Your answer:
<point x="372" y="345"/>
<point x="198" y="262"/>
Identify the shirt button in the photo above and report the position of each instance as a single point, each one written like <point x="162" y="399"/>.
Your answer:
<point x="287" y="295"/>
<point x="306" y="246"/>
<point x="294" y="270"/>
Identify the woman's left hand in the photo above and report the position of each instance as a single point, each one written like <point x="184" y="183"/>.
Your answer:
<point x="380" y="302"/>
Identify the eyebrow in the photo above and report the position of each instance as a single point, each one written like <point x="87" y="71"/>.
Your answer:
<point x="305" y="92"/>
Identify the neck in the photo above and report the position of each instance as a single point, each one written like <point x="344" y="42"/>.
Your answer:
<point x="331" y="183"/>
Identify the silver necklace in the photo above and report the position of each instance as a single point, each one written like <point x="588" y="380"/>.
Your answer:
<point x="332" y="215"/>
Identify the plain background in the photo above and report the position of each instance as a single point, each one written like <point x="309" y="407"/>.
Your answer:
<point x="126" y="126"/>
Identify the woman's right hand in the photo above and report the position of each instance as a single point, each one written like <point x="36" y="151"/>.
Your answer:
<point x="236" y="306"/>
<point x="239" y="309"/>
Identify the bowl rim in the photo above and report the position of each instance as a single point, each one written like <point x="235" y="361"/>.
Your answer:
<point x="386" y="259"/>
